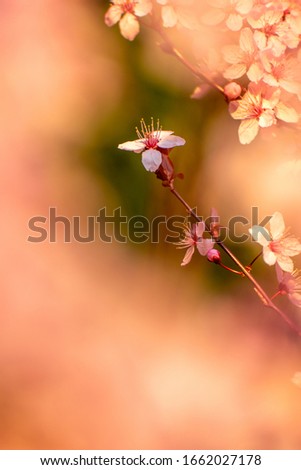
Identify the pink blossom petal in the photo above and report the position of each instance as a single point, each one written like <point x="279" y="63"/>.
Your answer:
<point x="246" y="41"/>
<point x="170" y="142"/>
<point x="277" y="226"/>
<point x="199" y="229"/>
<point x="129" y="26"/>
<point x="151" y="159"/>
<point x="133" y="146"/>
<point x="164" y="134"/>
<point x="286" y="113"/>
<point x="143" y="7"/>
<point x="260" y="40"/>
<point x="188" y="256"/>
<point x="113" y="15"/>
<point x="169" y="16"/>
<point x="234" y="22"/>
<point x="232" y="54"/>
<point x="187" y="18"/>
<point x="255" y="72"/>
<point x="269" y="256"/>
<point x="204" y="246"/>
<point x="267" y="118"/>
<point x="235" y="71"/>
<point x="244" y="6"/>
<point x="248" y="130"/>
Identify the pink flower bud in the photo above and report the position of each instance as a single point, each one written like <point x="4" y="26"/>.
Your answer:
<point x="214" y="256"/>
<point x="232" y="91"/>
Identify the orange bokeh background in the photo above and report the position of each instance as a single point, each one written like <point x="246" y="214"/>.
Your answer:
<point x="109" y="346"/>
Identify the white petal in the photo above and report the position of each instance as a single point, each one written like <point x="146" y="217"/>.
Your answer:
<point x="277" y="226"/>
<point x="286" y="113"/>
<point x="200" y="228"/>
<point x="170" y="142"/>
<point x="285" y="263"/>
<point x="267" y="118"/>
<point x="232" y="54"/>
<point x="129" y="26"/>
<point x="204" y="246"/>
<point x="188" y="256"/>
<point x="269" y="256"/>
<point x="164" y="134"/>
<point x="234" y="22"/>
<point x="255" y="72"/>
<point x="290" y="246"/>
<point x="246" y="41"/>
<point x="169" y="16"/>
<point x="143" y="7"/>
<point x="132" y="146"/>
<point x="244" y="6"/>
<point x="113" y="15"/>
<point x="260" y="40"/>
<point x="248" y="130"/>
<point x="235" y="71"/>
<point x="260" y="235"/>
<point x="151" y="159"/>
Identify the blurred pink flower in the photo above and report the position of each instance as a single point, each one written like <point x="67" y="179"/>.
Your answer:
<point x="193" y="234"/>
<point x="230" y="11"/>
<point x="150" y="142"/>
<point x="176" y="12"/>
<point x="278" y="247"/>
<point x="260" y="107"/>
<point x="125" y="12"/>
<point x="290" y="284"/>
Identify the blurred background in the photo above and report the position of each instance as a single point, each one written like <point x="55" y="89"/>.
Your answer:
<point x="115" y="345"/>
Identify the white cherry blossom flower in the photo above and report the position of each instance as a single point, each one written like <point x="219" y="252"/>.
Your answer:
<point x="260" y="107"/>
<point x="284" y="72"/>
<point x="151" y="142"/>
<point x="272" y="32"/>
<point x="126" y="12"/>
<point x="193" y="238"/>
<point x="290" y="285"/>
<point x="243" y="58"/>
<point x="278" y="246"/>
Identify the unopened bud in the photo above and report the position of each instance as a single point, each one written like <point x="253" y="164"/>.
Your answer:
<point x="232" y="91"/>
<point x="214" y="256"/>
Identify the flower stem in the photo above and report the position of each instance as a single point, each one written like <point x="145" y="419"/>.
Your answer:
<point x="171" y="49"/>
<point x="253" y="261"/>
<point x="230" y="269"/>
<point x="244" y="270"/>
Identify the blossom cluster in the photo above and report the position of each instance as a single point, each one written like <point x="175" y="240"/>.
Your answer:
<point x="278" y="247"/>
<point x="127" y="12"/>
<point x="258" y="66"/>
